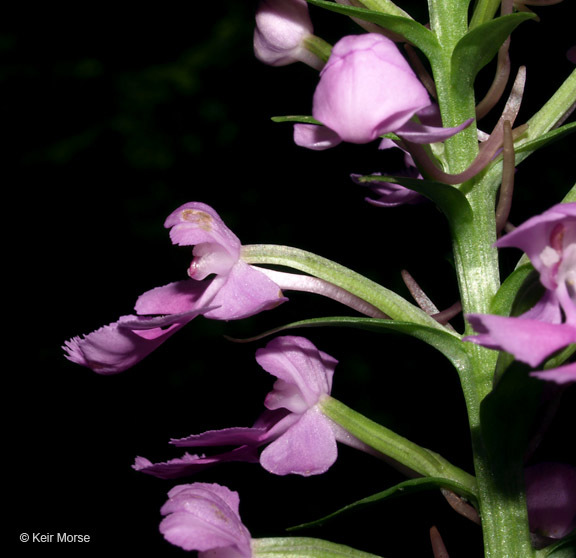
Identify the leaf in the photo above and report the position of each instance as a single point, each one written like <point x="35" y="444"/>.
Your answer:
<point x="564" y="548"/>
<point x="449" y="199"/>
<point x="296" y="118"/>
<point x="407" y="28"/>
<point x="303" y="547"/>
<point x="402" y="489"/>
<point x="449" y="345"/>
<point x="507" y="417"/>
<point x="503" y="301"/>
<point x="480" y="45"/>
<point x="546" y="139"/>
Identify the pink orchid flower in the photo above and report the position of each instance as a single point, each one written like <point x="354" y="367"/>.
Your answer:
<point x="205" y="517"/>
<point x="368" y="89"/>
<point x="549" y="240"/>
<point x="233" y="291"/>
<point x="299" y="439"/>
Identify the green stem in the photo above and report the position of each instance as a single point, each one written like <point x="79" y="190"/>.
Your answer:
<point x="400" y="449"/>
<point x="318" y="46"/>
<point x="385" y="300"/>
<point x="303" y="547"/>
<point x="484" y="11"/>
<point x="502" y="503"/>
<point x="448" y="20"/>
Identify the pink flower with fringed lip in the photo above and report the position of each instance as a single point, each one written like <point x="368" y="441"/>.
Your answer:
<point x="299" y="439"/>
<point x="235" y="290"/>
<point x="368" y="89"/>
<point x="549" y="240"/>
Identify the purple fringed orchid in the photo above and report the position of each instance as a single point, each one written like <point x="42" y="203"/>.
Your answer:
<point x="236" y="291"/>
<point x="551" y="498"/>
<point x="300" y="439"/>
<point x="205" y="517"/>
<point x="368" y="89"/>
<point x="282" y="26"/>
<point x="549" y="240"/>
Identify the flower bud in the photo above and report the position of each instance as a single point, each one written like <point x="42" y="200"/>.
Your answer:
<point x="367" y="89"/>
<point x="282" y="26"/>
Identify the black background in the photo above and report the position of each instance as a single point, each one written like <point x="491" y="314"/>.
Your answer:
<point x="112" y="120"/>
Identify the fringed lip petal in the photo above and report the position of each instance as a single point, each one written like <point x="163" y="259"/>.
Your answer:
<point x="122" y="344"/>
<point x="191" y="464"/>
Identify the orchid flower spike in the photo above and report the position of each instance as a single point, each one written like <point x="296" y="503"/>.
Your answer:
<point x="233" y="291"/>
<point x="549" y="240"/>
<point x="282" y="28"/>
<point x="299" y="439"/>
<point x="368" y="89"/>
<point x="205" y="517"/>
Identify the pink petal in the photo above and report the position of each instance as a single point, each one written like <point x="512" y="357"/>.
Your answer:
<point x="544" y="235"/>
<point x="199" y="517"/>
<point x="317" y="138"/>
<point x="418" y="133"/>
<point x="122" y="344"/>
<point x="281" y="26"/>
<point x="237" y="436"/>
<point x="561" y="375"/>
<point x="530" y="341"/>
<point x="296" y="361"/>
<point x="191" y="464"/>
<point x="174" y="298"/>
<point x="351" y="99"/>
<point x="245" y="291"/>
<point x="307" y="448"/>
<point x="195" y="223"/>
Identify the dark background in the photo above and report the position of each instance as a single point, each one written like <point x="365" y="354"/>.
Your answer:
<point x="112" y="120"/>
